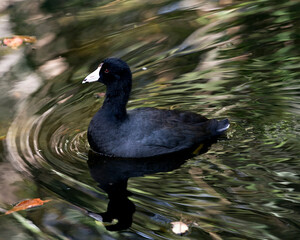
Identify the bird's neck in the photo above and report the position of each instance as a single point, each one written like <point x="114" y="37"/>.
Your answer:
<point x="114" y="105"/>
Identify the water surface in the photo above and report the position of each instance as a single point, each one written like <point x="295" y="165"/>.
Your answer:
<point x="223" y="59"/>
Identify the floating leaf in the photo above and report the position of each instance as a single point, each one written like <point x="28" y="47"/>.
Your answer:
<point x="26" y="204"/>
<point x="27" y="39"/>
<point x="13" y="43"/>
<point x="179" y="227"/>
<point x="17" y="41"/>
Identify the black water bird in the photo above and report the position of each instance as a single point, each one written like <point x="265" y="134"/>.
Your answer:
<point x="142" y="132"/>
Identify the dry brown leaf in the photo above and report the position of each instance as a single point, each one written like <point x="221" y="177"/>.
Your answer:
<point x="13" y="43"/>
<point x="26" y="204"/>
<point x="16" y="41"/>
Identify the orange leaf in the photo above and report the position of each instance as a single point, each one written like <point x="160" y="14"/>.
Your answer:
<point x="28" y="39"/>
<point x="26" y="204"/>
<point x="14" y="42"/>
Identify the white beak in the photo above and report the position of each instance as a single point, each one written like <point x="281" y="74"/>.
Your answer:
<point x="93" y="77"/>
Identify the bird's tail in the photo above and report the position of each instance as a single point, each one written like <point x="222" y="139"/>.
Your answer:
<point x="222" y="126"/>
<point x="218" y="127"/>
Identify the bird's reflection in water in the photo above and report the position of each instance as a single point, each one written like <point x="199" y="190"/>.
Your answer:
<point x="113" y="173"/>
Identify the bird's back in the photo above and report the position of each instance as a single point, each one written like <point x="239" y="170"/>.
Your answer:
<point x="150" y="132"/>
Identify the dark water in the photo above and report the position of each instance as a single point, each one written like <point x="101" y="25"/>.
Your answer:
<point x="224" y="59"/>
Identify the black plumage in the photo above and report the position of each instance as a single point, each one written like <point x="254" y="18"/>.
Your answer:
<point x="142" y="132"/>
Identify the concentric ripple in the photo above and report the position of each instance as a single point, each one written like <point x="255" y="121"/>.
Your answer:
<point x="47" y="138"/>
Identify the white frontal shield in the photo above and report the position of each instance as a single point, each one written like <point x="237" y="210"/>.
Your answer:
<point x="93" y="77"/>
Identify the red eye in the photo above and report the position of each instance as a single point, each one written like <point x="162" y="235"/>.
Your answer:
<point x="106" y="70"/>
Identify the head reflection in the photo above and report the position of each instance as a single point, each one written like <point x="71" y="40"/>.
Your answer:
<point x="112" y="175"/>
